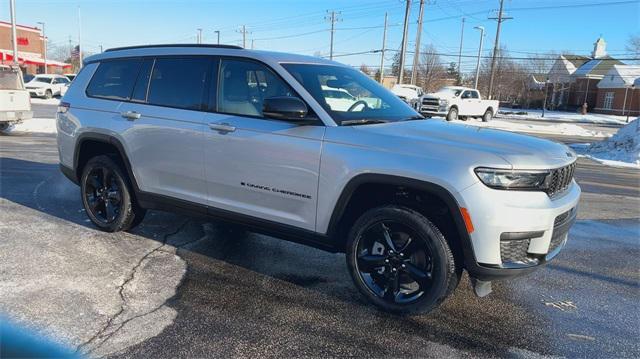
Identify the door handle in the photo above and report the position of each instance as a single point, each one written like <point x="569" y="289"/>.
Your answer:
<point x="222" y="127"/>
<point x="131" y="115"/>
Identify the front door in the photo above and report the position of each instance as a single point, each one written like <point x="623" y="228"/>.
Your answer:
<point x="256" y="166"/>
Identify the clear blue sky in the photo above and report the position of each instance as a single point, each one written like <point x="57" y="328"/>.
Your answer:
<point x="538" y="25"/>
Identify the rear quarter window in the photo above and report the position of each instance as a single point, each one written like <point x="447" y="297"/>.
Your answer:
<point x="114" y="79"/>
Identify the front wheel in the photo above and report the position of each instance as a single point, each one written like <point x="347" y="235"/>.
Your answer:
<point x="400" y="261"/>
<point x="488" y="115"/>
<point x="453" y="114"/>
<point x="48" y="94"/>
<point x="107" y="197"/>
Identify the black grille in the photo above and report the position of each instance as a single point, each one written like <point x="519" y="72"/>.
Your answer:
<point x="561" y="179"/>
<point x="561" y="226"/>
<point x="430" y="102"/>
<point x="514" y="251"/>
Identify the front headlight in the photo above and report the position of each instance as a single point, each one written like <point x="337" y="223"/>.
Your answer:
<point x="514" y="179"/>
<point x="444" y="102"/>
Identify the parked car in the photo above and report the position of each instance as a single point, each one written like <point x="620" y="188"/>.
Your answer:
<point x="453" y="102"/>
<point x="47" y="86"/>
<point x="71" y="76"/>
<point x="15" y="104"/>
<point x="408" y="93"/>
<point x="251" y="137"/>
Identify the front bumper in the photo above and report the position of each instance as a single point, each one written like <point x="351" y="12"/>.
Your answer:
<point x="516" y="231"/>
<point x="37" y="92"/>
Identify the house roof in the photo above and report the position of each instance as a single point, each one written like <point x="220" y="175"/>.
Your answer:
<point x="576" y="60"/>
<point x="596" y="68"/>
<point x="620" y="76"/>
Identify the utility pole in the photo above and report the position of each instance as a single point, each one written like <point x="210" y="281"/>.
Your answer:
<point x="460" y="54"/>
<point x="244" y="33"/>
<point x="218" y="33"/>
<point x="333" y="18"/>
<point x="384" y="45"/>
<point x="403" y="47"/>
<point x="252" y="43"/>
<point x="44" y="42"/>
<point x="79" y="39"/>
<point x="199" y="36"/>
<point x="416" y="54"/>
<point x="479" y="53"/>
<point x="500" y="19"/>
<point x="14" y="36"/>
<point x="70" y="49"/>
<point x="101" y="48"/>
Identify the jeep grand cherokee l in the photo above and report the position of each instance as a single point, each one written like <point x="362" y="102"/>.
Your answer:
<point x="250" y="137"/>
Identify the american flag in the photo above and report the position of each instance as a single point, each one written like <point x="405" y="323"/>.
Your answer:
<point x="75" y="52"/>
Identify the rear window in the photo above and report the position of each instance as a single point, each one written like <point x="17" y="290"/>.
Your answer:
<point x="179" y="82"/>
<point x="10" y="80"/>
<point x="114" y="79"/>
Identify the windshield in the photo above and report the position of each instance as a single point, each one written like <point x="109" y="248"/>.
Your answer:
<point x="450" y="91"/>
<point x="46" y="80"/>
<point x="10" y="80"/>
<point x="348" y="95"/>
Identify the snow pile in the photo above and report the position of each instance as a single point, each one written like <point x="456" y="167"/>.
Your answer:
<point x="44" y="101"/>
<point x="622" y="149"/>
<point x="566" y="129"/>
<point x="34" y="125"/>
<point x="561" y="116"/>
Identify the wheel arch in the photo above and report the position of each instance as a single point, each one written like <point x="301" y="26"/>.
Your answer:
<point x="90" y="144"/>
<point x="460" y="241"/>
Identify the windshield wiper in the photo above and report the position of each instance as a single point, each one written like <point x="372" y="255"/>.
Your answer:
<point x="362" y="121"/>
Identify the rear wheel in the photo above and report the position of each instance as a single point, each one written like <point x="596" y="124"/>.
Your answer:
<point x="400" y="261"/>
<point x="453" y="114"/>
<point x="488" y="115"/>
<point x="107" y="196"/>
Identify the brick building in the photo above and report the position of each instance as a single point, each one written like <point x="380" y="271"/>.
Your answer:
<point x="30" y="50"/>
<point x="617" y="94"/>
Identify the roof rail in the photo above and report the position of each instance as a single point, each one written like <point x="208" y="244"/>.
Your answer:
<point x="174" y="45"/>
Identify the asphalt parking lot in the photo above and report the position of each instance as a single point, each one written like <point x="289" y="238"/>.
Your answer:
<point x="178" y="286"/>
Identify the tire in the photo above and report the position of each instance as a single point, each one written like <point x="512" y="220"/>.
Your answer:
<point x="4" y="126"/>
<point x="488" y="115"/>
<point x="107" y="196"/>
<point x="48" y="94"/>
<point x="411" y="283"/>
<point x="453" y="114"/>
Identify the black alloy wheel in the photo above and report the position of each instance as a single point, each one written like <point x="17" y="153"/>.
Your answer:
<point x="400" y="261"/>
<point x="103" y="195"/>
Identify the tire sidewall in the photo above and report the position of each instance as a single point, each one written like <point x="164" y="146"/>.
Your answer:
<point x="48" y="94"/>
<point x="123" y="220"/>
<point x="487" y="116"/>
<point x="442" y="259"/>
<point x="450" y="115"/>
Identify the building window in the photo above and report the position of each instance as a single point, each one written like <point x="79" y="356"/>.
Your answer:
<point x="608" y="100"/>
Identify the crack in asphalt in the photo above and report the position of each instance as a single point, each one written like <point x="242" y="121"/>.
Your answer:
<point x="121" y="287"/>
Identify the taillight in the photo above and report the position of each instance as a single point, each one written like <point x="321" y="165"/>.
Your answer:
<point x="63" y="107"/>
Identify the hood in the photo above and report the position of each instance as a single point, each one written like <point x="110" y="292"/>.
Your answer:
<point x="36" y="84"/>
<point x="439" y="95"/>
<point x="520" y="151"/>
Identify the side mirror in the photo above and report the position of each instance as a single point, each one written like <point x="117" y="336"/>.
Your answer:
<point x="284" y="108"/>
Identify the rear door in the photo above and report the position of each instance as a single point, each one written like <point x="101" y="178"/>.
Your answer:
<point x="260" y="167"/>
<point x="165" y="129"/>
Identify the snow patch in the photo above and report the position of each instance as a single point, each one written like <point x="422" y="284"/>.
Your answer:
<point x="563" y="116"/>
<point x="43" y="101"/>
<point x="567" y="129"/>
<point x="621" y="149"/>
<point x="34" y="125"/>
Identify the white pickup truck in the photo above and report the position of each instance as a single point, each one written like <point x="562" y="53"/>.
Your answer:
<point x="15" y="102"/>
<point x="456" y="102"/>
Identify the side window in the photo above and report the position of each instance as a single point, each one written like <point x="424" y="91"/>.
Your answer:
<point x="63" y="80"/>
<point x="114" y="79"/>
<point x="142" y="83"/>
<point x="466" y="95"/>
<point x="243" y="86"/>
<point x="474" y="94"/>
<point x="179" y="82"/>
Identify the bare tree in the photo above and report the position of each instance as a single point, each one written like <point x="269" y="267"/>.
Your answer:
<point x="633" y="46"/>
<point x="365" y="69"/>
<point x="432" y="74"/>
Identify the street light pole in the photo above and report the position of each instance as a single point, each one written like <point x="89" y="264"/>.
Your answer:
<point x="479" y="53"/>
<point x="44" y="41"/>
<point x="218" y="33"/>
<point x="633" y="87"/>
<point x="14" y="36"/>
<point x="544" y="102"/>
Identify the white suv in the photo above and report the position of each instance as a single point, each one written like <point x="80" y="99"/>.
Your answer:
<point x="253" y="137"/>
<point x="47" y="86"/>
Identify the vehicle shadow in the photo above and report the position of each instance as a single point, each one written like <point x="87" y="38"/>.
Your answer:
<point x="239" y="283"/>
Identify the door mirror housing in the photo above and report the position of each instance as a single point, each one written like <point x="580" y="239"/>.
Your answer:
<point x="285" y="108"/>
